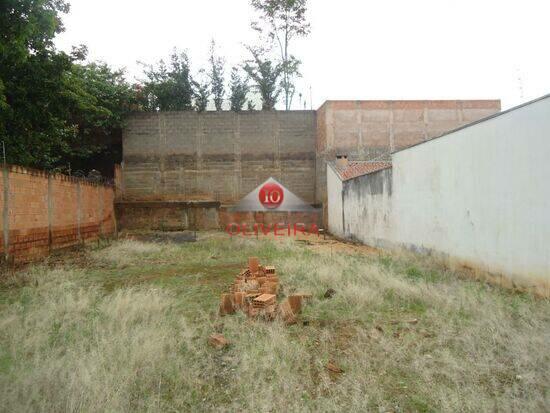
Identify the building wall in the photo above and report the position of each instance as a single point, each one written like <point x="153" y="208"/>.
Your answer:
<point x="367" y="130"/>
<point x="44" y="212"/>
<point x="367" y="207"/>
<point x="478" y="196"/>
<point x="219" y="156"/>
<point x="334" y="205"/>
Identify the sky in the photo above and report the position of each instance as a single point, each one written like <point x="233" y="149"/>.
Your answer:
<point x="357" y="49"/>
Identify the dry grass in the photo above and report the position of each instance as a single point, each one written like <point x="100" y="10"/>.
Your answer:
<point x="129" y="331"/>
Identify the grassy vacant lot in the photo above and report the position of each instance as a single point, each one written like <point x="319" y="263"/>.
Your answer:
<point x="124" y="327"/>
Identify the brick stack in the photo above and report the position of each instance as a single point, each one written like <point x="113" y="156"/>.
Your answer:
<point x="255" y="291"/>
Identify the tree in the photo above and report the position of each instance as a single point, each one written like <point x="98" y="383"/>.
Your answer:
<point x="238" y="90"/>
<point x="284" y="21"/>
<point x="216" y="76"/>
<point x="265" y="73"/>
<point x="33" y="122"/>
<point x="168" y="87"/>
<point x="54" y="108"/>
<point x="31" y="73"/>
<point x="201" y="91"/>
<point x="98" y="98"/>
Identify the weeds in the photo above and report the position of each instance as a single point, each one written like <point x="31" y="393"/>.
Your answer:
<point x="127" y="331"/>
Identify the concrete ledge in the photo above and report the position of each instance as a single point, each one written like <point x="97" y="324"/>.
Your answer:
<point x="168" y="215"/>
<point x="168" y="204"/>
<point x="201" y="215"/>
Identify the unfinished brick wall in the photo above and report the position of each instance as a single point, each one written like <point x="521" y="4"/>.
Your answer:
<point x="43" y="212"/>
<point x="217" y="156"/>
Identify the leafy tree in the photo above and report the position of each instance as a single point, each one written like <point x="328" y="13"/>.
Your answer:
<point x="98" y="98"/>
<point x="216" y="76"/>
<point x="265" y="73"/>
<point x="168" y="87"/>
<point x="32" y="123"/>
<point x="201" y="92"/>
<point x="284" y="20"/>
<point x="54" y="109"/>
<point x="238" y="89"/>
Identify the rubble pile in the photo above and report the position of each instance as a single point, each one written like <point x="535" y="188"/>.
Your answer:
<point x="255" y="292"/>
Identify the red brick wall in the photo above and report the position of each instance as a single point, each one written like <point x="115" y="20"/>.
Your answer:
<point x="44" y="212"/>
<point x="269" y="218"/>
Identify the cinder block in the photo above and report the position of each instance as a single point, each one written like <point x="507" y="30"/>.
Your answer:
<point x="264" y="300"/>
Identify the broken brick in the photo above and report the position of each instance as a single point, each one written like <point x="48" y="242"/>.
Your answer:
<point x="253" y="264"/>
<point x="295" y="302"/>
<point x="226" y="304"/>
<point x="285" y="313"/>
<point x="253" y="312"/>
<point x="218" y="341"/>
<point x="239" y="299"/>
<point x="333" y="367"/>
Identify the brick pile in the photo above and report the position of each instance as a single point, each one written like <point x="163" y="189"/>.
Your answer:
<point x="255" y="291"/>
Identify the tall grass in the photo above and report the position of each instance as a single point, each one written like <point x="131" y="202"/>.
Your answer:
<point x="129" y="333"/>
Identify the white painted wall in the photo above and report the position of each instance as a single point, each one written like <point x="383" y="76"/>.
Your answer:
<point x="367" y="208"/>
<point x="480" y="196"/>
<point x="334" y="205"/>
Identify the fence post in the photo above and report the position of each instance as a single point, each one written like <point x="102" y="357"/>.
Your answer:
<point x="50" y="212"/>
<point x="78" y="210"/>
<point x="100" y="188"/>
<point x="6" y="211"/>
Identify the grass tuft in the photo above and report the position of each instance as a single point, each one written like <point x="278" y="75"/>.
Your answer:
<point x="126" y="329"/>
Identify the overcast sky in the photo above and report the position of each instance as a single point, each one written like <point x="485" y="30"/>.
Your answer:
<point x="357" y="49"/>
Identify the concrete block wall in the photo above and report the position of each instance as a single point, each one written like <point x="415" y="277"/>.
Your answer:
<point x="43" y="212"/>
<point x="217" y="156"/>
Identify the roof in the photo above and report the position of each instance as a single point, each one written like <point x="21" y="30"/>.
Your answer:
<point x="358" y="168"/>
<point x="495" y="115"/>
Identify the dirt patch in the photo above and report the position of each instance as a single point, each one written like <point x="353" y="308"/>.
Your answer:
<point x="327" y="244"/>
<point x="176" y="237"/>
<point x="322" y="243"/>
<point x="205" y="275"/>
